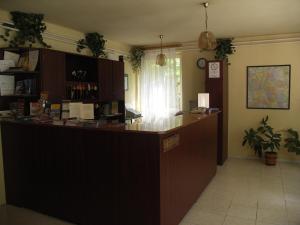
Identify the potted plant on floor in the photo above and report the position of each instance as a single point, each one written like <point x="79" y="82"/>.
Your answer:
<point x="292" y="142"/>
<point x="263" y="140"/>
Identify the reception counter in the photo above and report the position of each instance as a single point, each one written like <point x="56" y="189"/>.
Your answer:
<point x="146" y="173"/>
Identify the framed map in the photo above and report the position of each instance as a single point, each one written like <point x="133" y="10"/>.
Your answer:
<point x="268" y="87"/>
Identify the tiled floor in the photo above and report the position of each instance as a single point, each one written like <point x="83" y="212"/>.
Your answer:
<point x="244" y="192"/>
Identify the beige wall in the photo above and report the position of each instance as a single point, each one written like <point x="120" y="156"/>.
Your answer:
<point x="193" y="78"/>
<point x="130" y="94"/>
<point x="69" y="47"/>
<point x="241" y="118"/>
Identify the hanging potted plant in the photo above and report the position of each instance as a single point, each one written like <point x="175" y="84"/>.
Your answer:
<point x="224" y="48"/>
<point x="95" y="42"/>
<point x="136" y="55"/>
<point x="263" y="140"/>
<point x="29" y="29"/>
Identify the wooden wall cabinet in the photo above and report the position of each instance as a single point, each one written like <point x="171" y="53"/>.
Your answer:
<point x="216" y="84"/>
<point x="54" y="74"/>
<point x="118" y="90"/>
<point x="53" y="69"/>
<point x="111" y="80"/>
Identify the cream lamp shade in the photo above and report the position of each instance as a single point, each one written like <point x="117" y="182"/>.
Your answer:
<point x="207" y="40"/>
<point x="203" y="100"/>
<point x="161" y="58"/>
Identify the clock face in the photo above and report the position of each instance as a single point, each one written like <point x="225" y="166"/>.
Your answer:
<point x="201" y="62"/>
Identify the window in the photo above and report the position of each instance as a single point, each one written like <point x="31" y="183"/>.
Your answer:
<point x="160" y="86"/>
<point x="178" y="82"/>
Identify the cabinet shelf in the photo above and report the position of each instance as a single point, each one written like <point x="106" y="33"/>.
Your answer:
<point x="19" y="96"/>
<point x="18" y="72"/>
<point x="81" y="82"/>
<point x="112" y="115"/>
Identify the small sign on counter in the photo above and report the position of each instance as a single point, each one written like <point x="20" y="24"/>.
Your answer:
<point x="170" y="142"/>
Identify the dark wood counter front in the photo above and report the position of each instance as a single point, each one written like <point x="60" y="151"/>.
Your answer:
<point x="140" y="174"/>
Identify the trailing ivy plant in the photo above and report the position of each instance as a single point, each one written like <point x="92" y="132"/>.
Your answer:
<point x="224" y="48"/>
<point x="95" y="42"/>
<point x="136" y="55"/>
<point x="29" y="29"/>
<point x="292" y="142"/>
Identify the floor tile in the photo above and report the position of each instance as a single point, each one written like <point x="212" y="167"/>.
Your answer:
<point x="241" y="211"/>
<point x="203" y="218"/>
<point x="273" y="216"/>
<point x="294" y="217"/>
<point x="230" y="220"/>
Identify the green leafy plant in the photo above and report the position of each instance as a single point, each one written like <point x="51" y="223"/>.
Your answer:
<point x="292" y="142"/>
<point x="95" y="42"/>
<point x="263" y="138"/>
<point x="29" y="29"/>
<point x="224" y="48"/>
<point x="136" y="55"/>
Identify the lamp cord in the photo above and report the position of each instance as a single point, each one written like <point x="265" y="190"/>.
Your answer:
<point x="161" y="37"/>
<point x="206" y="17"/>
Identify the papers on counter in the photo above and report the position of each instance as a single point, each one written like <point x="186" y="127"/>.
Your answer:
<point x="81" y="111"/>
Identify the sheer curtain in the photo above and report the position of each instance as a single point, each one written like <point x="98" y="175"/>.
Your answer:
<point x="158" y="85"/>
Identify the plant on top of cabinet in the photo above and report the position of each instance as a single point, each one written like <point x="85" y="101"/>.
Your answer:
<point x="292" y="142"/>
<point x="30" y="27"/>
<point x="95" y="42"/>
<point x="224" y="48"/>
<point x="136" y="55"/>
<point x="263" y="139"/>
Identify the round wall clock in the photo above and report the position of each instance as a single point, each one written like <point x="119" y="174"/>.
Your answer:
<point x="201" y="62"/>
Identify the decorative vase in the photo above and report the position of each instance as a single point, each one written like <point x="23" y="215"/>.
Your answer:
<point x="270" y="158"/>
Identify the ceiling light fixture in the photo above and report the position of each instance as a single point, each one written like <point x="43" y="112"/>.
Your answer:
<point x="161" y="58"/>
<point x="207" y="40"/>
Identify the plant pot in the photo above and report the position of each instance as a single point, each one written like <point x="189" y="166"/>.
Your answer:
<point x="270" y="158"/>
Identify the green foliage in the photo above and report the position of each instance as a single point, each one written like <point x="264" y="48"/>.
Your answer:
<point x="224" y="48"/>
<point x="292" y="142"/>
<point x="136" y="55"/>
<point x="254" y="140"/>
<point x="30" y="27"/>
<point x="95" y="42"/>
<point x="263" y="138"/>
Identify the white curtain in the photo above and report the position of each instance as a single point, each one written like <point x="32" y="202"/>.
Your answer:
<point x="158" y="85"/>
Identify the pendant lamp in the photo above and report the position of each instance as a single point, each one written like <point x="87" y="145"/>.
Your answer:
<point x="207" y="40"/>
<point x="161" y="58"/>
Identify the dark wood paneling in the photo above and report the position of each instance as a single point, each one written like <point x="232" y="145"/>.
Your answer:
<point x="13" y="161"/>
<point x="105" y="80"/>
<point x="101" y="170"/>
<point x="138" y="182"/>
<point x="108" y="177"/>
<point x="187" y="169"/>
<point x="53" y="74"/>
<point x="118" y="80"/>
<point x="218" y="98"/>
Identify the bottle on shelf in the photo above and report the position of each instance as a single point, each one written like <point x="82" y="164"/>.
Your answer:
<point x="81" y="90"/>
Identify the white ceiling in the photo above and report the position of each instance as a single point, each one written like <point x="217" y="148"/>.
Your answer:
<point x="139" y="22"/>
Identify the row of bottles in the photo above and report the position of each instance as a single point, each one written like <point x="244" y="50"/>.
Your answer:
<point x="80" y="91"/>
